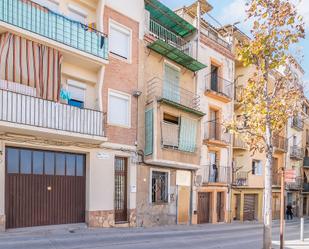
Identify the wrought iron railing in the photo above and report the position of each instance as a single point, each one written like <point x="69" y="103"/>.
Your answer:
<point x="280" y="143"/>
<point x="215" y="173"/>
<point x="276" y="179"/>
<point x="220" y="85"/>
<point x="238" y="142"/>
<point x="306" y="162"/>
<point x="297" y="123"/>
<point x="240" y="178"/>
<point x="297" y="185"/>
<point x="170" y="135"/>
<point x="33" y="111"/>
<point x="164" y="89"/>
<point x="215" y="37"/>
<point x="35" y="18"/>
<point x="296" y="152"/>
<point x="169" y="37"/>
<point x="214" y="130"/>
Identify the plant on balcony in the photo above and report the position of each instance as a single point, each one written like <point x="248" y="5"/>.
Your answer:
<point x="267" y="105"/>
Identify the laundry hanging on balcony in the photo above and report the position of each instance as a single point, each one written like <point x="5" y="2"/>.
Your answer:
<point x="31" y="64"/>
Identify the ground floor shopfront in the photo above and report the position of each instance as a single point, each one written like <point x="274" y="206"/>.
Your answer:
<point x="47" y="184"/>
<point x="211" y="204"/>
<point x="247" y="204"/>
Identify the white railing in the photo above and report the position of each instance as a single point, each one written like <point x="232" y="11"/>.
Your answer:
<point x="215" y="173"/>
<point x="29" y="110"/>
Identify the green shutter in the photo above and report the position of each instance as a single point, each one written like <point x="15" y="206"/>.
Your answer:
<point x="187" y="136"/>
<point x="171" y="89"/>
<point x="149" y="132"/>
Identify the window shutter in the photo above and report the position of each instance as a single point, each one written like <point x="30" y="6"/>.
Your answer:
<point x="149" y="132"/>
<point x="187" y="136"/>
<point x="119" y="42"/>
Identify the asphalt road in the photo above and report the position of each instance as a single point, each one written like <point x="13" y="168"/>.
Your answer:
<point x="227" y="236"/>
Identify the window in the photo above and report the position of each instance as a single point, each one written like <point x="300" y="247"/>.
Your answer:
<point x="214" y="78"/>
<point x="25" y="161"/>
<point x="53" y="5"/>
<point x="12" y="161"/>
<point x="119" y="109"/>
<point x="77" y="14"/>
<point x="170" y="131"/>
<point x="77" y="93"/>
<point x="119" y="41"/>
<point x="257" y="168"/>
<point x="159" y="187"/>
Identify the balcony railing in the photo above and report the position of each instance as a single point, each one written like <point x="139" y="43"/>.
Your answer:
<point x="306" y="162"/>
<point x="214" y="173"/>
<point x="297" y="185"/>
<point x="164" y="89"/>
<point x="162" y="33"/>
<point x="170" y="135"/>
<point x="215" y="37"/>
<point x="220" y="85"/>
<point x="239" y="143"/>
<point x="240" y="178"/>
<point x="28" y="110"/>
<point x="216" y="131"/>
<point x="32" y="17"/>
<point x="306" y="187"/>
<point x="297" y="123"/>
<point x="280" y="143"/>
<point x="296" y="152"/>
<point x="276" y="179"/>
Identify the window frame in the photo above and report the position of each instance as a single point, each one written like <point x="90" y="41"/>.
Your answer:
<point x="260" y="171"/>
<point x="168" y="186"/>
<point x="112" y="24"/>
<point x="122" y="95"/>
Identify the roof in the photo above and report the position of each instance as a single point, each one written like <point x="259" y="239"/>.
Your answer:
<point x="176" y="55"/>
<point x="168" y="19"/>
<point x="192" y="9"/>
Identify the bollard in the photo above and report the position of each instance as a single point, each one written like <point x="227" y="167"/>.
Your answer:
<point x="302" y="229"/>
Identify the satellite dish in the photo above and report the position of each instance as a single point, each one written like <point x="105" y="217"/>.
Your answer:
<point x="198" y="180"/>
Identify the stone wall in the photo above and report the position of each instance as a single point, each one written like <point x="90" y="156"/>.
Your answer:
<point x="100" y="218"/>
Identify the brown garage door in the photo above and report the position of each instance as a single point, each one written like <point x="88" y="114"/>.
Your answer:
<point x="44" y="188"/>
<point x="249" y="207"/>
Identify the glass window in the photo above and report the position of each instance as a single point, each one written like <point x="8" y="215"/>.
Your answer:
<point x="80" y="165"/>
<point x="70" y="161"/>
<point x="159" y="187"/>
<point x="77" y="93"/>
<point x="119" y="109"/>
<point x="12" y="161"/>
<point x="60" y="164"/>
<point x="25" y="161"/>
<point x="38" y="157"/>
<point x="257" y="168"/>
<point x="49" y="163"/>
<point x="119" y="41"/>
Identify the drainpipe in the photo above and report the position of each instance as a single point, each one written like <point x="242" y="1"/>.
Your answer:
<point x="100" y="16"/>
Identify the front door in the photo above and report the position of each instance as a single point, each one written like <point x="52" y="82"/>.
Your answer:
<point x="220" y="206"/>
<point x="171" y="90"/>
<point x="183" y="203"/>
<point x="249" y="207"/>
<point x="204" y="207"/>
<point x="121" y="189"/>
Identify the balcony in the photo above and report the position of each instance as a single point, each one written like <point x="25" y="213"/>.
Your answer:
<point x="306" y="162"/>
<point x="240" y="178"/>
<point x="297" y="185"/>
<point x="171" y="93"/>
<point x="216" y="174"/>
<point x="297" y="123"/>
<point x="214" y="36"/>
<point x="219" y="88"/>
<point x="276" y="179"/>
<point x="41" y="21"/>
<point x="280" y="143"/>
<point x="296" y="153"/>
<point x="238" y="143"/>
<point x="172" y="46"/>
<point x="29" y="111"/>
<point x="215" y="134"/>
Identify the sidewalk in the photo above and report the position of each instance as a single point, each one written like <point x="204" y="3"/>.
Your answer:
<point x="293" y="244"/>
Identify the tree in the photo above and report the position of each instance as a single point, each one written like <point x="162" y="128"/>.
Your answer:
<point x="271" y="96"/>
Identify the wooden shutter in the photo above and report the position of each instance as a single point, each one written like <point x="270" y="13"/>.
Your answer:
<point x="149" y="132"/>
<point x="187" y="136"/>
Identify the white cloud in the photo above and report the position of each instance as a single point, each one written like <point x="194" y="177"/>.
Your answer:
<point x="303" y="8"/>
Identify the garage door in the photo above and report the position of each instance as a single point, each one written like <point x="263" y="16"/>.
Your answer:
<point x="249" y="207"/>
<point x="44" y="188"/>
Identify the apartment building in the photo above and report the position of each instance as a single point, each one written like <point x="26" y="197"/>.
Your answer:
<point x="305" y="168"/>
<point x="169" y="119"/>
<point x="68" y="112"/>
<point x="215" y="85"/>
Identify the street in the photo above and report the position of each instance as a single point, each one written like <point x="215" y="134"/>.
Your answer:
<point x="229" y="236"/>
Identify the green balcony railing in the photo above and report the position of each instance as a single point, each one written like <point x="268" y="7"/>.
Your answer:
<point x="35" y="18"/>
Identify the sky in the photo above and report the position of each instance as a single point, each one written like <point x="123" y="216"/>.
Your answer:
<point x="232" y="11"/>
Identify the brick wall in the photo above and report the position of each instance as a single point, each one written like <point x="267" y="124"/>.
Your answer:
<point x="122" y="76"/>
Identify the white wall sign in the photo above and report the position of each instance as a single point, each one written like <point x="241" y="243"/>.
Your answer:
<point x="133" y="189"/>
<point x="103" y="155"/>
<point x="183" y="178"/>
